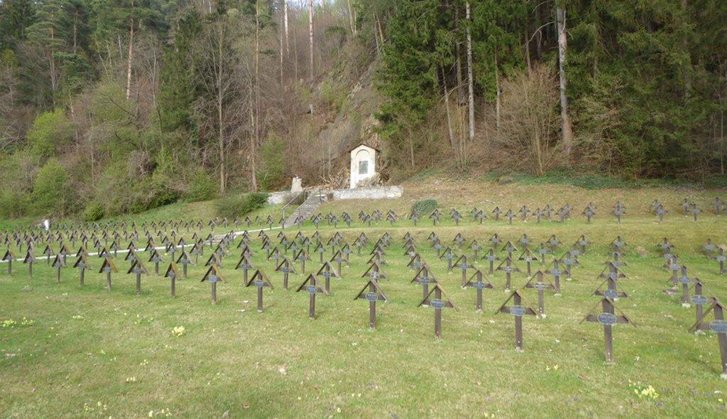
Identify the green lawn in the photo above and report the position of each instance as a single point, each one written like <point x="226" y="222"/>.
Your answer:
<point x="90" y="352"/>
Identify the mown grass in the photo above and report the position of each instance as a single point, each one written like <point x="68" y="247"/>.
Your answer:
<point x="86" y="344"/>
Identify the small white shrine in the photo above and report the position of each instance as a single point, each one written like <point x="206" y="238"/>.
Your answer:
<point x="363" y="164"/>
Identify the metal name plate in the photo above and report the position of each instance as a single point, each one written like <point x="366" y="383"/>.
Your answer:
<point x="607" y="319"/>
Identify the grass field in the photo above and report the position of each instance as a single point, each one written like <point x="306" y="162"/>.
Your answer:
<point x="73" y="351"/>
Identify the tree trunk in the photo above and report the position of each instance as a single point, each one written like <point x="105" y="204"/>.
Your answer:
<point x="220" y="115"/>
<point x="351" y="19"/>
<point x="470" y="83"/>
<point x="130" y="55"/>
<point x="450" y="131"/>
<point x="256" y="123"/>
<point x="497" y="96"/>
<point x="282" y="46"/>
<point x="285" y="25"/>
<point x="310" y="37"/>
<point x="567" y="129"/>
<point x="527" y="52"/>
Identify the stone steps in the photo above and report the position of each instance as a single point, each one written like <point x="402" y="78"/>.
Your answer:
<point x="307" y="208"/>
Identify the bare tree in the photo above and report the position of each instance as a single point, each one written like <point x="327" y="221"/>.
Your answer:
<point x="470" y="82"/>
<point x="130" y="55"/>
<point x="566" y="127"/>
<point x="310" y="36"/>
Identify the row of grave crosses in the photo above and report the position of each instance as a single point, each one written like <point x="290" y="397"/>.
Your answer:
<point x="116" y="230"/>
<point x="286" y="253"/>
<point x="682" y="284"/>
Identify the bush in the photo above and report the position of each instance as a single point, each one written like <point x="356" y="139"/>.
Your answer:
<point x="51" y="191"/>
<point x="201" y="187"/>
<point x="93" y="212"/>
<point x="273" y="163"/>
<point x="51" y="133"/>
<point x="238" y="205"/>
<point x="425" y="206"/>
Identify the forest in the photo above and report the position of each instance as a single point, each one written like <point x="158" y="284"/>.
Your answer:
<point x="110" y="107"/>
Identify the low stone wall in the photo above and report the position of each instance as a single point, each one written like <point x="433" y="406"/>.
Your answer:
<point x="279" y="198"/>
<point x="383" y="192"/>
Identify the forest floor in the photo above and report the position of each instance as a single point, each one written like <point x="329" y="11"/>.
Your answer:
<point x="70" y="351"/>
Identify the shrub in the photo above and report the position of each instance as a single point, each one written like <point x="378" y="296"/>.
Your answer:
<point x="201" y="187"/>
<point x="273" y="163"/>
<point x="50" y="133"/>
<point x="233" y="206"/>
<point x="425" y="206"/>
<point x="93" y="212"/>
<point x="51" y="191"/>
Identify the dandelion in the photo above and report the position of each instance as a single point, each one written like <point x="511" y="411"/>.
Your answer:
<point x="178" y="331"/>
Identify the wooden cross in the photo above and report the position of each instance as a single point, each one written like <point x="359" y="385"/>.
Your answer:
<point x="286" y="267"/>
<point x="244" y="265"/>
<point x="718" y="326"/>
<point x="58" y="265"/>
<point x="518" y="309"/>
<point x="260" y="280"/>
<point x="373" y="293"/>
<point x="477" y="282"/>
<point x="437" y="299"/>
<point x="172" y="274"/>
<point x="423" y="277"/>
<point x="539" y="282"/>
<point x="213" y="277"/>
<point x="463" y="266"/>
<point x="327" y="271"/>
<point x="608" y="318"/>
<point x="310" y="286"/>
<point x="108" y="267"/>
<point x="507" y="267"/>
<point x="137" y="269"/>
<point x="156" y="258"/>
<point x="184" y="260"/>
<point x="29" y="259"/>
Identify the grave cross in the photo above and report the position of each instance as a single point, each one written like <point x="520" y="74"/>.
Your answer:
<point x="286" y="267"/>
<point x="373" y="293"/>
<point x="423" y="277"/>
<point x="213" y="277"/>
<point x="611" y="282"/>
<point x="528" y="257"/>
<point x="137" y="269"/>
<point x="156" y="258"/>
<point x="589" y="212"/>
<point x="721" y="258"/>
<point x="374" y="272"/>
<point x="699" y="300"/>
<point x="518" y="309"/>
<point x="327" y="271"/>
<point x="461" y="262"/>
<point x="718" y="326"/>
<point x="58" y="265"/>
<point x="539" y="282"/>
<point x="29" y="259"/>
<point x="260" y="280"/>
<point x="507" y="267"/>
<point x="184" y="260"/>
<point x="491" y="257"/>
<point x="310" y="286"/>
<point x="108" y="267"/>
<point x="81" y="264"/>
<point x="172" y="274"/>
<point x="437" y="299"/>
<point x="449" y="255"/>
<point x="608" y="318"/>
<point x="477" y="282"/>
<point x="244" y="265"/>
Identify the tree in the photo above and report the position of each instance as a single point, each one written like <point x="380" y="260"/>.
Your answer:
<point x="566" y="127"/>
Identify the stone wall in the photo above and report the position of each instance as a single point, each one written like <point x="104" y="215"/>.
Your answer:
<point x="279" y="198"/>
<point x="383" y="192"/>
